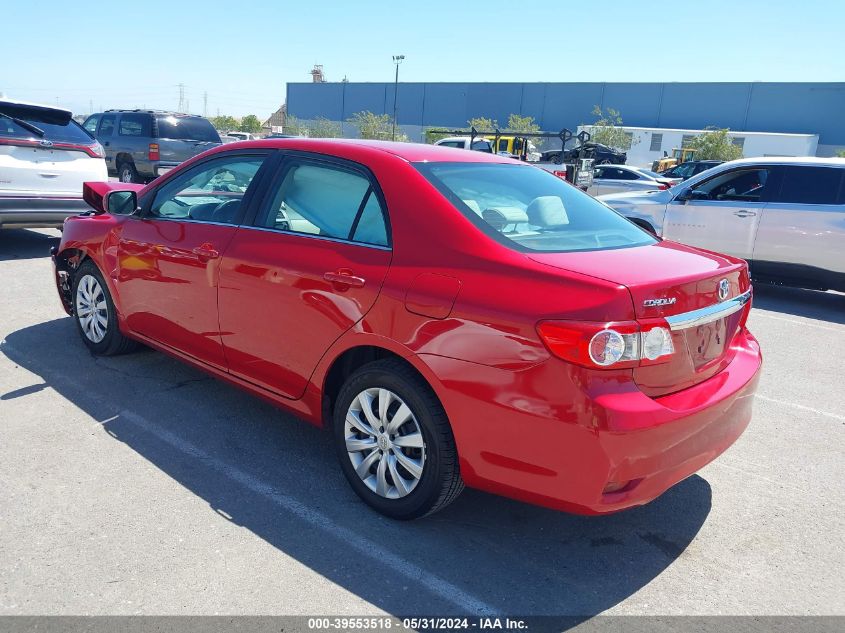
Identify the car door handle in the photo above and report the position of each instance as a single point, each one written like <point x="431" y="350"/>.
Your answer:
<point x="345" y="278"/>
<point x="744" y="213"/>
<point x="205" y="252"/>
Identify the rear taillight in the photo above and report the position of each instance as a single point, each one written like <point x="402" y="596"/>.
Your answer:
<point x="609" y="345"/>
<point x="662" y="187"/>
<point x="94" y="151"/>
<point x="153" y="153"/>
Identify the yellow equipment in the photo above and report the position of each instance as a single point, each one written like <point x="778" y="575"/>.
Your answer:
<point x="678" y="156"/>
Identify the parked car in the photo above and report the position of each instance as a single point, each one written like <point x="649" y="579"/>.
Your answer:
<point x="690" y="169"/>
<point x="45" y="156"/>
<point x="622" y="178"/>
<point x="242" y="136"/>
<point x="601" y="154"/>
<point x="463" y="142"/>
<point x="142" y="145"/>
<point x="785" y="216"/>
<point x="454" y="317"/>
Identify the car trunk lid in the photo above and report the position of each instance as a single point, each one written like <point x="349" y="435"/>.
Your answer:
<point x="668" y="280"/>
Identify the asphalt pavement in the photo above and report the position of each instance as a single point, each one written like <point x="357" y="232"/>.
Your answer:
<point x="137" y="485"/>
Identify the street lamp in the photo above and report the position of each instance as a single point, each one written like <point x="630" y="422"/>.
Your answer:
<point x="397" y="59"/>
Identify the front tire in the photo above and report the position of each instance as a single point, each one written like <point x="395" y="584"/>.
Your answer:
<point x="126" y="172"/>
<point x="394" y="441"/>
<point x="95" y="314"/>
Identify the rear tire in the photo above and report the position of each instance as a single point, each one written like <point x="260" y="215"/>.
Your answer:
<point x="127" y="173"/>
<point x="95" y="314"/>
<point x="406" y="471"/>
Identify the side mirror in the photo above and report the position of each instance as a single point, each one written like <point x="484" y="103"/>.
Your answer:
<point x="122" y="202"/>
<point x="685" y="195"/>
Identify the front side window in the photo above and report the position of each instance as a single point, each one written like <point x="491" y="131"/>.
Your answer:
<point x="483" y="146"/>
<point x="810" y="185"/>
<point x="107" y="125"/>
<point x="528" y="209"/>
<point x="91" y="123"/>
<point x="747" y="185"/>
<point x="210" y="192"/>
<point x="327" y="201"/>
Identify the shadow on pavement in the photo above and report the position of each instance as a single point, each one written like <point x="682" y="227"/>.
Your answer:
<point x="278" y="477"/>
<point x="812" y="304"/>
<point x="26" y="244"/>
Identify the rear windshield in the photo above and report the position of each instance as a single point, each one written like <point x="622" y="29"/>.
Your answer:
<point x="58" y="132"/>
<point x="529" y="209"/>
<point x="188" y="128"/>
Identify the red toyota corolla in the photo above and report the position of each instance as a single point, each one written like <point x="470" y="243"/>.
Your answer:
<point x="454" y="317"/>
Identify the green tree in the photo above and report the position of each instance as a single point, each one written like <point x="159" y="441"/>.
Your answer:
<point x="294" y="126"/>
<point x="517" y="123"/>
<point x="224" y="123"/>
<point x="483" y="124"/>
<point x="607" y="129"/>
<point x="250" y="123"/>
<point x="715" y="144"/>
<point x="375" y="126"/>
<point x="324" y="128"/>
<point x="841" y="153"/>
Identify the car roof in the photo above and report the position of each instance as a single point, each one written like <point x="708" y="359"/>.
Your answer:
<point x="790" y="160"/>
<point x="410" y="152"/>
<point x="140" y="111"/>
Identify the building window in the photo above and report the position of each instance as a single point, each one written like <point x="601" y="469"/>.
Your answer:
<point x="739" y="141"/>
<point x="656" y="142"/>
<point x="687" y="139"/>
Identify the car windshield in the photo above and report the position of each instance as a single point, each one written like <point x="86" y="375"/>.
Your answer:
<point x="528" y="209"/>
<point x="187" y="128"/>
<point x="68" y="131"/>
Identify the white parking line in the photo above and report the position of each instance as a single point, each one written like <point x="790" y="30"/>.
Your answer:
<point x="797" y="322"/>
<point x="433" y="583"/>
<point x="835" y="416"/>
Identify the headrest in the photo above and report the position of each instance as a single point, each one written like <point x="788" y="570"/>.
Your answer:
<point x="547" y="212"/>
<point x="472" y="204"/>
<point x="500" y="217"/>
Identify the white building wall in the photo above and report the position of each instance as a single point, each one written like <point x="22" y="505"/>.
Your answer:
<point x="641" y="153"/>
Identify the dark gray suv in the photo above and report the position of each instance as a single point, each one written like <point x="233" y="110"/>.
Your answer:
<point x="141" y="145"/>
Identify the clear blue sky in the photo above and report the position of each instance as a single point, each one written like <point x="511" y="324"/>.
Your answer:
<point x="243" y="52"/>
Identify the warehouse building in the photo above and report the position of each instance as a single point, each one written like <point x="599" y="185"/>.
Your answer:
<point x="797" y="108"/>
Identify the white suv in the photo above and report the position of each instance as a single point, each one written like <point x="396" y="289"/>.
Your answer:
<point x="786" y="216"/>
<point x="45" y="156"/>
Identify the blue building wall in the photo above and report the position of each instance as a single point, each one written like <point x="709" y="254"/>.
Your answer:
<point x="810" y="108"/>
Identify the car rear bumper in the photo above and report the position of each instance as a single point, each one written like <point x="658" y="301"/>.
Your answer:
<point x="38" y="211"/>
<point x="597" y="445"/>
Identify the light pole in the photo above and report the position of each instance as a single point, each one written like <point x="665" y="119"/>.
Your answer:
<point x="397" y="59"/>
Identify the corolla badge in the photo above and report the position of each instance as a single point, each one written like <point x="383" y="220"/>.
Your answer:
<point x="724" y="289"/>
<point x="662" y="301"/>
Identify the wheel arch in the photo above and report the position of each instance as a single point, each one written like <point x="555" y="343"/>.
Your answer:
<point x="343" y="362"/>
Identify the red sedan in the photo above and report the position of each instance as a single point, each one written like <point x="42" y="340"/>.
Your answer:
<point x="453" y="317"/>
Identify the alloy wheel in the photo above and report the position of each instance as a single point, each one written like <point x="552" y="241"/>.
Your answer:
<point x="384" y="442"/>
<point x="92" y="309"/>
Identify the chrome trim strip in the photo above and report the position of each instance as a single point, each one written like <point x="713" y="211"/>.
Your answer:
<point x="709" y="314"/>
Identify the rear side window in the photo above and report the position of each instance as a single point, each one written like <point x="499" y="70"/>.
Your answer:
<point x="811" y="185"/>
<point x="328" y="201"/>
<point x="135" y="125"/>
<point x="187" y="128"/>
<point x="483" y="146"/>
<point x="47" y="125"/>
<point x="528" y="209"/>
